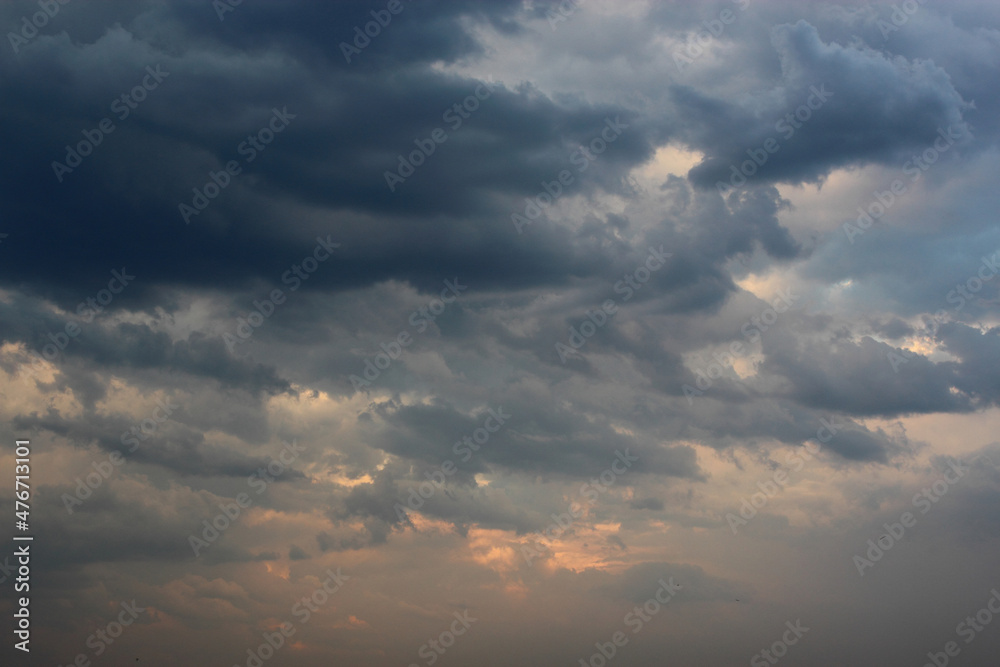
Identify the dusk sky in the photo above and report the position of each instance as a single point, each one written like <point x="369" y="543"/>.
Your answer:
<point x="491" y="333"/>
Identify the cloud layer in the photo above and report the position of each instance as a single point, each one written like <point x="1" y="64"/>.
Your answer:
<point x="514" y="311"/>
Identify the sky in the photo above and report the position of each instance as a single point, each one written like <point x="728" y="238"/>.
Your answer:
<point x="511" y="332"/>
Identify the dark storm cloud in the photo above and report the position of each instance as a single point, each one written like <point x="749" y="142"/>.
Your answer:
<point x="347" y="129"/>
<point x="177" y="449"/>
<point x="727" y="420"/>
<point x="868" y="377"/>
<point x="418" y="34"/>
<point x="954" y="37"/>
<point x="822" y="369"/>
<point x="535" y="439"/>
<point x="893" y="329"/>
<point x="129" y="346"/>
<point x="384" y="506"/>
<point x="978" y="351"/>
<point x="859" y="378"/>
<point x="858" y="106"/>
<point x="702" y="233"/>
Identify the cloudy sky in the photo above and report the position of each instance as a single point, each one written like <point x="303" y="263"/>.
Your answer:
<point x="502" y="332"/>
